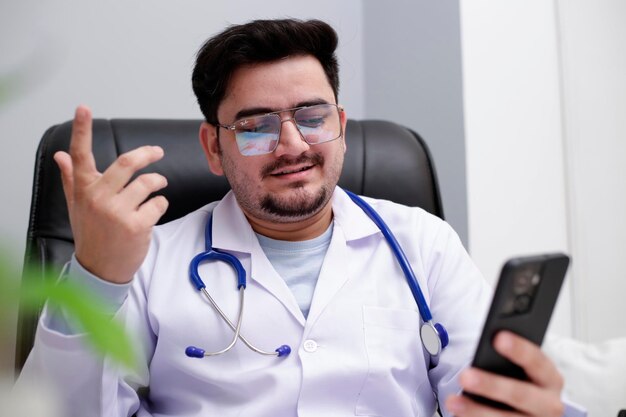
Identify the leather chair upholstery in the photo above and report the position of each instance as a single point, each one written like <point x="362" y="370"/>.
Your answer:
<point x="384" y="160"/>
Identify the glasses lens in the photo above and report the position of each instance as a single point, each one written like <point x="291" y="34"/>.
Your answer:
<point x="318" y="124"/>
<point x="257" y="135"/>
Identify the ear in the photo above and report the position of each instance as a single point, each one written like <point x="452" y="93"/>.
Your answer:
<point x="210" y="146"/>
<point x="344" y="123"/>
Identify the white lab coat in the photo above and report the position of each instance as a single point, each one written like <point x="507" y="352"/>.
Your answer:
<point x="358" y="353"/>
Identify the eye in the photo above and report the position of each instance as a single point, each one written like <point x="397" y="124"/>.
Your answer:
<point x="254" y="129"/>
<point x="313" y="121"/>
<point x="314" y="117"/>
<point x="255" y="125"/>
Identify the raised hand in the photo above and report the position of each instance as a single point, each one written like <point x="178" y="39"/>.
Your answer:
<point x="541" y="396"/>
<point x="111" y="221"/>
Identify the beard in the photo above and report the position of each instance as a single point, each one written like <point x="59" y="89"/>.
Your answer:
<point x="299" y="203"/>
<point x="298" y="206"/>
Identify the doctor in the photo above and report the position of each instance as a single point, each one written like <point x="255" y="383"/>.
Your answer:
<point x="321" y="277"/>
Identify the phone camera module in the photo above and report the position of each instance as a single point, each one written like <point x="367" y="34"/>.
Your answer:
<point x="523" y="289"/>
<point x="526" y="281"/>
<point x="522" y="282"/>
<point x="522" y="303"/>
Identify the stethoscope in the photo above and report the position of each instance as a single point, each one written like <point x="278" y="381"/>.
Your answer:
<point x="434" y="336"/>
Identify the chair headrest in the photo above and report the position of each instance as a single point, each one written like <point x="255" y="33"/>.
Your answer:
<point x="383" y="160"/>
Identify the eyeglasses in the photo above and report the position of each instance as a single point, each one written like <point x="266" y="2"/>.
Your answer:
<point x="258" y="135"/>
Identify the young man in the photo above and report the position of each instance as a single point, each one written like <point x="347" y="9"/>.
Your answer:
<point x="321" y="277"/>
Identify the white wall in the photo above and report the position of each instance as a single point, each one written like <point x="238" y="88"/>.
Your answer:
<point x="515" y="167"/>
<point x="545" y="100"/>
<point x="593" y="50"/>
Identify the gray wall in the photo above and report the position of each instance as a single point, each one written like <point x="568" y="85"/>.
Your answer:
<point x="413" y="76"/>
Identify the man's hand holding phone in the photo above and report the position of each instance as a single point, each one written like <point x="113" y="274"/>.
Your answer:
<point x="539" y="396"/>
<point x="510" y="375"/>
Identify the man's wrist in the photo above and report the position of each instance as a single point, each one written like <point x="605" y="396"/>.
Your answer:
<point x="112" y="295"/>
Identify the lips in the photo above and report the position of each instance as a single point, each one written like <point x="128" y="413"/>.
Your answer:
<point x="291" y="170"/>
<point x="287" y="166"/>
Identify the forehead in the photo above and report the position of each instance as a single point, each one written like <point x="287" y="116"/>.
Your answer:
<point x="276" y="85"/>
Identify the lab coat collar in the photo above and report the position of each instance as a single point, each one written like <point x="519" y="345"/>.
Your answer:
<point x="350" y="218"/>
<point x="233" y="233"/>
<point x="231" y="230"/>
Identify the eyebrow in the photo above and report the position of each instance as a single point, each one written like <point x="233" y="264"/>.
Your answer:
<point x="257" y="111"/>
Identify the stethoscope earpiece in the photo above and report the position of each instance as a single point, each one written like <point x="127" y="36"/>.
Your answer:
<point x="284" y="350"/>
<point x="194" y="352"/>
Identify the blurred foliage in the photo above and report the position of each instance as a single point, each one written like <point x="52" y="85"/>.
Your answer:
<point x="84" y="308"/>
<point x="105" y="334"/>
<point x="10" y="85"/>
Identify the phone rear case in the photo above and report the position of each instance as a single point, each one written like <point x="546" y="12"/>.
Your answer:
<point x="523" y="303"/>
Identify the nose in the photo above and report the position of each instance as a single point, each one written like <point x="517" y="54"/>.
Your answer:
<point x="290" y="141"/>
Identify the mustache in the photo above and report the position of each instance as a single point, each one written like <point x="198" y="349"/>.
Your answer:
<point x="305" y="158"/>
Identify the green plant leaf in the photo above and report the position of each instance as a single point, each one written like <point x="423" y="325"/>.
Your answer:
<point x="105" y="334"/>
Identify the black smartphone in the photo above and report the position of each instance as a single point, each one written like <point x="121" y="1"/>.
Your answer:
<point x="522" y="303"/>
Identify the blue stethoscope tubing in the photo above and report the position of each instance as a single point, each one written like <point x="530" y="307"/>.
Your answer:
<point x="211" y="254"/>
<point x="434" y="336"/>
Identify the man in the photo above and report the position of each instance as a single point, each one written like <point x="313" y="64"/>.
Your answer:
<point x="321" y="278"/>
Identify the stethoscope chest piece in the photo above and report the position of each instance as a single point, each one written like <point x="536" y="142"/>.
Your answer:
<point x="434" y="337"/>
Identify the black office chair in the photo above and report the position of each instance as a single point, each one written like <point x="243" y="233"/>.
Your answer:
<point x="383" y="160"/>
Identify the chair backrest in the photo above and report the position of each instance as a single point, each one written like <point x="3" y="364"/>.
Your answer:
<point x="384" y="160"/>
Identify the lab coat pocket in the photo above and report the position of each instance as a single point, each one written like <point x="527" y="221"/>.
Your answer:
<point x="396" y="383"/>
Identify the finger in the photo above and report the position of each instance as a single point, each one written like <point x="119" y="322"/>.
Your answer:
<point x="64" y="162"/>
<point x="151" y="211"/>
<point x="80" y="147"/>
<point x="521" y="395"/>
<point x="126" y="165"/>
<point x="539" y="368"/>
<point x="462" y="406"/>
<point x="140" y="188"/>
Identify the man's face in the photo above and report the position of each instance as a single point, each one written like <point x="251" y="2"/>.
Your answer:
<point x="296" y="180"/>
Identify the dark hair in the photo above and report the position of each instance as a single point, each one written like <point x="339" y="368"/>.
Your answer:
<point x="257" y="42"/>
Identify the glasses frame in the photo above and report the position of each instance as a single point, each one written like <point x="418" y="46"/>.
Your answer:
<point x="292" y="110"/>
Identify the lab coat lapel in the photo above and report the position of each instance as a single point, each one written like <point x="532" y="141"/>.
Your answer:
<point x="265" y="275"/>
<point x="350" y="224"/>
<point x="333" y="275"/>
<point x="233" y="233"/>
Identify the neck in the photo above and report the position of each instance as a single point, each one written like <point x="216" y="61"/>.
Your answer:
<point x="306" y="229"/>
